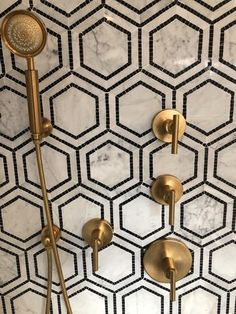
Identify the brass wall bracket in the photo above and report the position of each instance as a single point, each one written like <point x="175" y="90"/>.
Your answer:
<point x="46" y="127"/>
<point x="45" y="236"/>
<point x="97" y="233"/>
<point x="169" y="126"/>
<point x="167" y="190"/>
<point x="168" y="260"/>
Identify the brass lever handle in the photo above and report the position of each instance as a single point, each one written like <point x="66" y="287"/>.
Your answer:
<point x="169" y="267"/>
<point x="172" y="285"/>
<point x="171" y="201"/>
<point x="167" y="190"/>
<point x="95" y="255"/>
<point x="97" y="233"/>
<point x="175" y="134"/>
<point x="169" y="126"/>
<point x="97" y="236"/>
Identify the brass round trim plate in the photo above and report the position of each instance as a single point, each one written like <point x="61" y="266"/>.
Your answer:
<point x="45" y="235"/>
<point x="23" y="33"/>
<point x="160" y="185"/>
<point x="159" y="125"/>
<point x="157" y="252"/>
<point x="104" y="228"/>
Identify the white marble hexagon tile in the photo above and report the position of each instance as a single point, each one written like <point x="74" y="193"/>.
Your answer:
<point x="107" y="69"/>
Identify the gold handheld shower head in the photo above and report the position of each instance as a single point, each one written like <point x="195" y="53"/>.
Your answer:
<point x="25" y="35"/>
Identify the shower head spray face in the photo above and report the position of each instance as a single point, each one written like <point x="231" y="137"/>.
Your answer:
<point x="24" y="33"/>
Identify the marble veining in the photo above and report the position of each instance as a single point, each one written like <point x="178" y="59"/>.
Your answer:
<point x="203" y="215"/>
<point x="138" y="213"/>
<point x="74" y="111"/>
<point x="224" y="258"/>
<point x="14" y="116"/>
<point x="227" y="163"/>
<point x="199" y="301"/>
<point x="53" y="160"/>
<point x="109" y="165"/>
<point x="175" y="46"/>
<point x="11" y="215"/>
<point x="229" y="49"/>
<point x="207" y="101"/>
<point x="105" y="48"/>
<point x="138" y="107"/>
<point x="8" y="267"/>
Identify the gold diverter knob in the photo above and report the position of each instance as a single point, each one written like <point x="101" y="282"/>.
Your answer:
<point x="97" y="233"/>
<point x="167" y="190"/>
<point x="169" y="126"/>
<point x="168" y="260"/>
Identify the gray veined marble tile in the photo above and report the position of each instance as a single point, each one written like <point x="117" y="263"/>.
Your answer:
<point x="199" y="301"/>
<point x="138" y="107"/>
<point x="14" y="115"/>
<point x="74" y="111"/>
<point x="203" y="215"/>
<point x="223" y="262"/>
<point x="105" y="49"/>
<point x="8" y="266"/>
<point x="12" y="215"/>
<point x="229" y="54"/>
<point x="141" y="216"/>
<point x="175" y="46"/>
<point x="110" y="165"/>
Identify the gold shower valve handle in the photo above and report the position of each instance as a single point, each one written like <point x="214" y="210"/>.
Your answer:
<point x="95" y="255"/>
<point x="168" y="260"/>
<point x="167" y="190"/>
<point x="170" y="273"/>
<point x="172" y="285"/>
<point x="169" y="126"/>
<point x="175" y="134"/>
<point x="171" y="201"/>
<point x="97" y="233"/>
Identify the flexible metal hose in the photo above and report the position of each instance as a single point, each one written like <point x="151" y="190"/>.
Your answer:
<point x="49" y="288"/>
<point x="49" y="223"/>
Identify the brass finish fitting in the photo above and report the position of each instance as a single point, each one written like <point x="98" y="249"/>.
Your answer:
<point x="168" y="260"/>
<point x="167" y="190"/>
<point x="97" y="233"/>
<point x="169" y="126"/>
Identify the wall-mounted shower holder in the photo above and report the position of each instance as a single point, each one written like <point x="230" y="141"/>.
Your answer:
<point x="45" y="236"/>
<point x="167" y="190"/>
<point x="97" y="233"/>
<point x="168" y="260"/>
<point x="169" y="126"/>
<point x="46" y="127"/>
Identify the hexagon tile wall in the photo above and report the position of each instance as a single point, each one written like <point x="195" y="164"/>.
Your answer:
<point x="108" y="68"/>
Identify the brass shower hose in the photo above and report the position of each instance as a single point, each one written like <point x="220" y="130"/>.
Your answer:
<point x="49" y="288"/>
<point x="51" y="234"/>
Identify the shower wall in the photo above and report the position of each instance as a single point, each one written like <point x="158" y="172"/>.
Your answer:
<point x="107" y="69"/>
